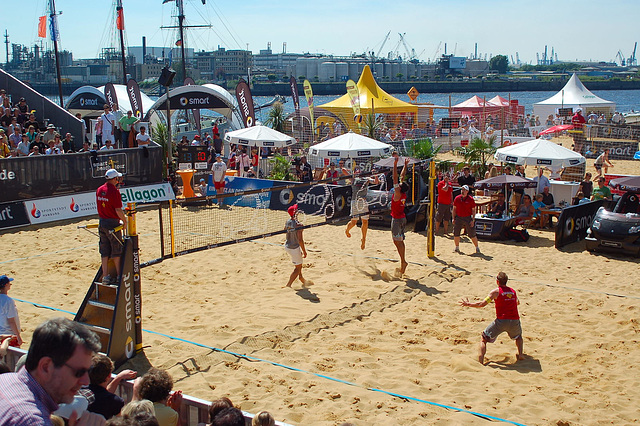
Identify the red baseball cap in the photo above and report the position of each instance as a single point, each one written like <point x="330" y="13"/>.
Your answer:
<point x="292" y="210"/>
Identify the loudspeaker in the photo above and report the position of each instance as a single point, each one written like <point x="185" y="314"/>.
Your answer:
<point x="166" y="78"/>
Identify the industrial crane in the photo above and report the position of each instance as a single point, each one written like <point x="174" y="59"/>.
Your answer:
<point x="383" y="43"/>
<point x="632" y="59"/>
<point x="621" y="57"/>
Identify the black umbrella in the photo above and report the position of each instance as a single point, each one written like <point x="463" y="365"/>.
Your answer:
<point x="627" y="183"/>
<point x="506" y="182"/>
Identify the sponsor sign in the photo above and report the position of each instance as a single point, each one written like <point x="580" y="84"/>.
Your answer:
<point x="294" y="93"/>
<point x="484" y="228"/>
<point x="311" y="200"/>
<point x="617" y="150"/>
<point x="333" y="154"/>
<point x="341" y="205"/>
<point x="543" y="162"/>
<point x="135" y="98"/>
<point x="195" y="100"/>
<point x="46" y="210"/>
<point x="103" y="162"/>
<point x="111" y="97"/>
<point x="122" y="344"/>
<point x="574" y="222"/>
<point x="245" y="103"/>
<point x="510" y="159"/>
<point x="364" y="154"/>
<point x="238" y="184"/>
<point x="12" y="215"/>
<point x="87" y="101"/>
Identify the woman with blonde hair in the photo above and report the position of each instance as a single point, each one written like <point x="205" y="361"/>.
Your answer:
<point x="263" y="418"/>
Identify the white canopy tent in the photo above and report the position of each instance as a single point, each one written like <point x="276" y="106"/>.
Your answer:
<point x="259" y="136"/>
<point x="539" y="152"/>
<point x="351" y="145"/>
<point x="89" y="100"/>
<point x="573" y="95"/>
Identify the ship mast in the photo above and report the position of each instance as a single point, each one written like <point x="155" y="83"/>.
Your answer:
<point x="180" y="5"/>
<point x="54" y="36"/>
<point x="181" y="27"/>
<point x="120" y="26"/>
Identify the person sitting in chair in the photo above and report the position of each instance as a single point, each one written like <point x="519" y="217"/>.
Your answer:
<point x="496" y="209"/>
<point x="526" y="211"/>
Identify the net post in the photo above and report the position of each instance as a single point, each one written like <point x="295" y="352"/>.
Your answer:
<point x="431" y="241"/>
<point x="171" y="229"/>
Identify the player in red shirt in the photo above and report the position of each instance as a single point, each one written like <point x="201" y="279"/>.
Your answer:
<point x="445" y="196"/>
<point x="110" y="211"/>
<point x="463" y="217"/>
<point x="398" y="218"/>
<point x="507" y="317"/>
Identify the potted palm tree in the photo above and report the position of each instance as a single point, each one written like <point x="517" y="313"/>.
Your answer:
<point x="275" y="117"/>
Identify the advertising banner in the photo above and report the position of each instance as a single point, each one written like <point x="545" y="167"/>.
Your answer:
<point x="12" y="215"/>
<point x="239" y="184"/>
<point x="81" y="205"/>
<point x="354" y="98"/>
<point x="294" y="93"/>
<point x="314" y="200"/>
<point x="618" y="150"/>
<point x="135" y="98"/>
<point x="245" y="103"/>
<point x="111" y="97"/>
<point x="124" y="339"/>
<point x="308" y="93"/>
<point x="574" y="222"/>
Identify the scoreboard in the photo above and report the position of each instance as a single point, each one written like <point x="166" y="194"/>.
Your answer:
<point x="192" y="157"/>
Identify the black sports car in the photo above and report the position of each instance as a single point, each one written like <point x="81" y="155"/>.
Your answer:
<point x="619" y="230"/>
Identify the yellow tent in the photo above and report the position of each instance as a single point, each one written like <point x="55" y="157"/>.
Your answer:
<point x="372" y="99"/>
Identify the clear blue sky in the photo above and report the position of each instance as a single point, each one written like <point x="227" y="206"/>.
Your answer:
<point x="578" y="30"/>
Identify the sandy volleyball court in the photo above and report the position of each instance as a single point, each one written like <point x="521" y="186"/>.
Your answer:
<point x="580" y="315"/>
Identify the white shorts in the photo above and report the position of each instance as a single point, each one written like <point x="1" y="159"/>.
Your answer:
<point x="296" y="255"/>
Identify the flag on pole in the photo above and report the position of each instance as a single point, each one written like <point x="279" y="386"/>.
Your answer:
<point x="42" y="27"/>
<point x="178" y="42"/>
<point x="53" y="28"/>
<point x="120" y="19"/>
<point x="354" y="97"/>
<point x="308" y="93"/>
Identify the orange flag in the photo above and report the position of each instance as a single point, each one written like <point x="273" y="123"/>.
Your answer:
<point x="120" y="19"/>
<point x="42" y="27"/>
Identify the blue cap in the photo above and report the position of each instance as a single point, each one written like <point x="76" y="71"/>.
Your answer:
<point x="4" y="280"/>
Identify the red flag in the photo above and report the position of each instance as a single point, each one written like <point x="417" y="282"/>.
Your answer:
<point x="179" y="43"/>
<point x="42" y="27"/>
<point x="120" y="20"/>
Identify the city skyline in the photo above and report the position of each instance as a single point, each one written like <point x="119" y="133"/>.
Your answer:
<point x="343" y="28"/>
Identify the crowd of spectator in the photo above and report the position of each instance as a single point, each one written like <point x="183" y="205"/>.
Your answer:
<point x="63" y="379"/>
<point x="22" y="134"/>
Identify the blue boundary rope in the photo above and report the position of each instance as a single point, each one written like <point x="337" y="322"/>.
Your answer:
<point x="288" y="367"/>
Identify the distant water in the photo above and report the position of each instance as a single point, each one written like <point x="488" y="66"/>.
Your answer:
<point x="626" y="100"/>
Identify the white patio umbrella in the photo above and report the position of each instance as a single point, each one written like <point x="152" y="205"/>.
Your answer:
<point x="539" y="152"/>
<point x="351" y="145"/>
<point x="259" y="136"/>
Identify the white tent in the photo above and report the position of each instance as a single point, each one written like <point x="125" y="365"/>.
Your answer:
<point x="573" y="95"/>
<point x="259" y="136"/>
<point x="351" y="145"/>
<point x="89" y="100"/>
<point x="539" y="152"/>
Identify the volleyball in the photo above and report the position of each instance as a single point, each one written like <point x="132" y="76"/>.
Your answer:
<point x="357" y="118"/>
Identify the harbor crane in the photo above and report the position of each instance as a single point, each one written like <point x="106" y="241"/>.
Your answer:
<point x="620" y="56"/>
<point x="383" y="43"/>
<point x="632" y="59"/>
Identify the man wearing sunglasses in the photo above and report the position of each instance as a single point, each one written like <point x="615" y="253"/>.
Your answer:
<point x="57" y="366"/>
